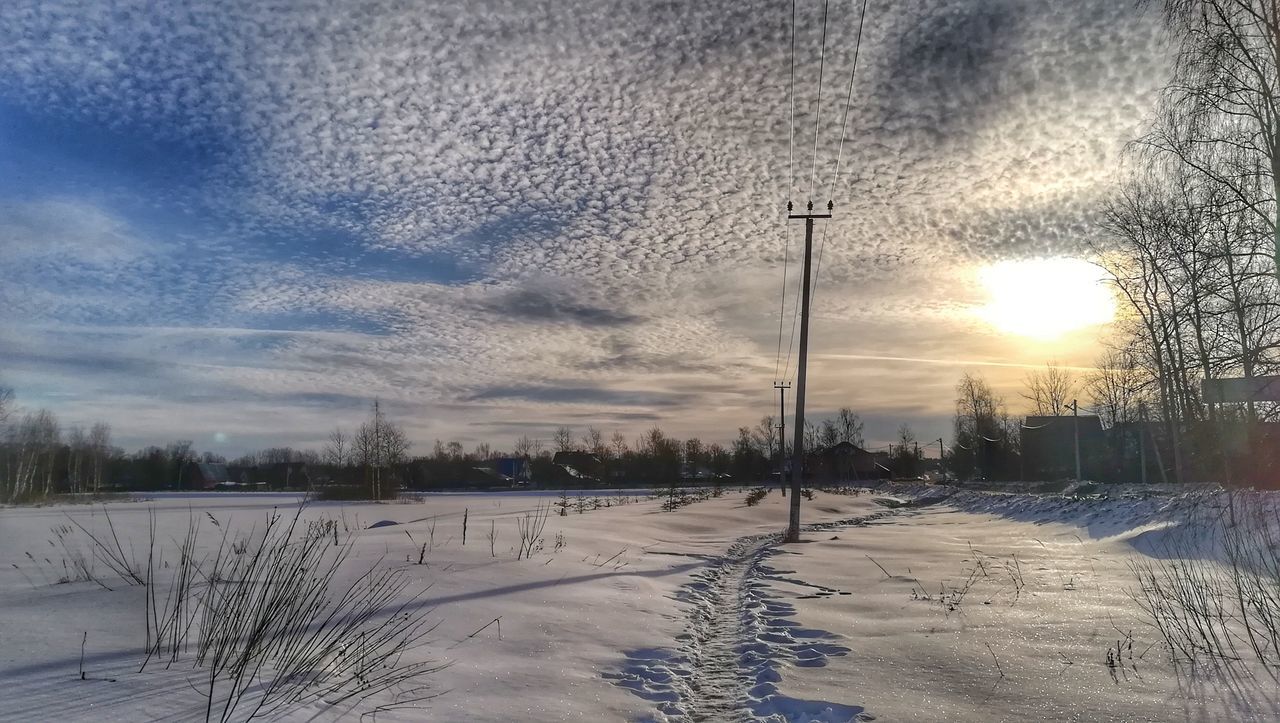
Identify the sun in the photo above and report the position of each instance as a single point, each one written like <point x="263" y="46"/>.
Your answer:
<point x="1045" y="299"/>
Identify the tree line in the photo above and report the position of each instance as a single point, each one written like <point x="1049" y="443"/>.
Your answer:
<point x="39" y="457"/>
<point x="1192" y="241"/>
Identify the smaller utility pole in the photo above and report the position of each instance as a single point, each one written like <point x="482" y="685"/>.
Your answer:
<point x="1075" y="417"/>
<point x="782" y="388"/>
<point x="1142" y="440"/>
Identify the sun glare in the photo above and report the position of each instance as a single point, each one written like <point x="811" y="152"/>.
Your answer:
<point x="1045" y="298"/>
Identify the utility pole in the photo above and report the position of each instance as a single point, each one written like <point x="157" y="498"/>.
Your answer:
<point x="1142" y="440"/>
<point x="782" y="388"/>
<point x="1075" y="417"/>
<point x="797" y="449"/>
<point x="942" y="459"/>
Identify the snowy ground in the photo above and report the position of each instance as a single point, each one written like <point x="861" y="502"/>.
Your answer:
<point x="981" y="607"/>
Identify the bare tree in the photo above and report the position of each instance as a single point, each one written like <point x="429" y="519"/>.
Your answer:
<point x="829" y="433"/>
<point x="524" y="447"/>
<point x="984" y="434"/>
<point x="1116" y="388"/>
<point x="766" y="436"/>
<point x="593" y="441"/>
<point x="279" y="455"/>
<point x="619" y="444"/>
<point x="849" y="425"/>
<point x="1049" y="391"/>
<point x="906" y="437"/>
<point x="1223" y="103"/>
<point x="379" y="446"/>
<point x="100" y="450"/>
<point x="906" y="458"/>
<point x="77" y="457"/>
<point x="694" y="452"/>
<point x="810" y="438"/>
<point x="179" y="455"/>
<point x="35" y="441"/>
<point x="1194" y="265"/>
<point x="563" y="439"/>
<point x="337" y="451"/>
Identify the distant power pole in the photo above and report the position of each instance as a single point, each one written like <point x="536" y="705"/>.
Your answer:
<point x="1075" y="418"/>
<point x="797" y="449"/>
<point x="782" y="388"/>
<point x="1142" y="439"/>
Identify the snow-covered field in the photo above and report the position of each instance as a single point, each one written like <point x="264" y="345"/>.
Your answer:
<point x="979" y="607"/>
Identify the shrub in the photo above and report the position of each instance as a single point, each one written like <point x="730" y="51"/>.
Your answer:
<point x="341" y="493"/>
<point x="270" y="631"/>
<point x="755" y="495"/>
<point x="529" y="526"/>
<point x="1221" y="612"/>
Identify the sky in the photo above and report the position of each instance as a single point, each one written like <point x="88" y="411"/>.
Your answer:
<point x="240" y="222"/>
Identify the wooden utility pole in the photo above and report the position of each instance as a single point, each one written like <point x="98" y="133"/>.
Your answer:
<point x="782" y="388"/>
<point x="797" y="449"/>
<point x="1142" y="440"/>
<point x="1075" y="417"/>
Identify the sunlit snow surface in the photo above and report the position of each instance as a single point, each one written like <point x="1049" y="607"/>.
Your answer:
<point x="631" y="613"/>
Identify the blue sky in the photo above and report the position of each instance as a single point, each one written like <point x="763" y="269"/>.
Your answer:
<point x="238" y="223"/>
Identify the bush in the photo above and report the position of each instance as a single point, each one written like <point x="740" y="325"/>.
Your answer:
<point x="754" y="496"/>
<point x="1220" y="612"/>
<point x="342" y="493"/>
<point x="272" y="630"/>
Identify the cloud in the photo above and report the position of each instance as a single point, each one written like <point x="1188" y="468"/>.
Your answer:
<point x="551" y="306"/>
<point x="65" y="231"/>
<point x="576" y="395"/>
<point x="478" y="198"/>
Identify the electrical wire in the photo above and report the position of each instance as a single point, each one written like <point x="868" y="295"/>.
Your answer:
<point x="844" y="127"/>
<point x="791" y="177"/>
<point x="848" y="100"/>
<point x="782" y="301"/>
<point x="817" y="117"/>
<point x="795" y="316"/>
<point x="791" y="134"/>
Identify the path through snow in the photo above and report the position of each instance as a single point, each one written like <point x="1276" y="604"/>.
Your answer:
<point x="738" y="637"/>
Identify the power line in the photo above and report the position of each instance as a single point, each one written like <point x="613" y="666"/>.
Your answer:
<point x="817" y="118"/>
<point x="791" y="135"/>
<point x="782" y="302"/>
<point x="791" y="179"/>
<point x="844" y="126"/>
<point x="795" y="316"/>
<point x="848" y="100"/>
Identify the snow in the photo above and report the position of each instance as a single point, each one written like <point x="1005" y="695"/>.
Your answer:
<point x="994" y="607"/>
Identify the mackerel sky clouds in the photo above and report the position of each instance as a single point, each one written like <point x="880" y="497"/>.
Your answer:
<point x="239" y="222"/>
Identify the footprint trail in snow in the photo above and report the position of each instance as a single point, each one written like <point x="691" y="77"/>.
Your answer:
<point x="738" y="640"/>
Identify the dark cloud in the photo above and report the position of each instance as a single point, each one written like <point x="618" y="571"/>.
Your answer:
<point x="546" y="305"/>
<point x="576" y="395"/>
<point x="950" y="64"/>
<point x="80" y="362"/>
<point x="622" y="355"/>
